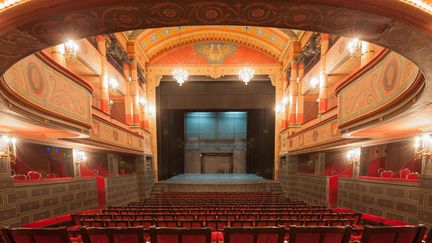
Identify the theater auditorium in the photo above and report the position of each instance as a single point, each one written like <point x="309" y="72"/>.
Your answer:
<point x="167" y="121"/>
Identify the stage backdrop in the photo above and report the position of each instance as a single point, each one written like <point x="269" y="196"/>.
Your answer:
<point x="252" y="136"/>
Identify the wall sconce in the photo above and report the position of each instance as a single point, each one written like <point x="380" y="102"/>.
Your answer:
<point x="353" y="155"/>
<point x="142" y="101"/>
<point x="79" y="156"/>
<point x="314" y="82"/>
<point x="71" y="49"/>
<point x="8" y="148"/>
<point x="423" y="145"/>
<point x="286" y="100"/>
<point x="151" y="110"/>
<point x="113" y="83"/>
<point x="357" y="47"/>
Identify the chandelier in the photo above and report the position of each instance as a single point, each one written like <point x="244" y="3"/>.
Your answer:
<point x="246" y="74"/>
<point x="180" y="75"/>
<point x="71" y="49"/>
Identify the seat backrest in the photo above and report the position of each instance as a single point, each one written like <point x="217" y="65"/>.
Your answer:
<point x="414" y="175"/>
<point x="33" y="175"/>
<point x="340" y="222"/>
<point x="216" y="224"/>
<point x="167" y="223"/>
<point x="393" y="234"/>
<point x="403" y="173"/>
<point x="35" y="235"/>
<point x="288" y="222"/>
<point x="51" y="175"/>
<point x="429" y="237"/>
<point x="180" y="235"/>
<point x="379" y="171"/>
<point x="192" y="223"/>
<point x="315" y="222"/>
<point x="254" y="234"/>
<point x="112" y="235"/>
<point x="319" y="234"/>
<point x="19" y="177"/>
<point x="387" y="174"/>
<point x="145" y="223"/>
<point x="241" y="222"/>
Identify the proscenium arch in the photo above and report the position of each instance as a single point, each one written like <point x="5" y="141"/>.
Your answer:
<point x="38" y="24"/>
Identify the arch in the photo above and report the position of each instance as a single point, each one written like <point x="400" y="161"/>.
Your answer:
<point x="398" y="25"/>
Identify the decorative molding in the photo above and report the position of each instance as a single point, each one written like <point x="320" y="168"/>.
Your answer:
<point x="375" y="90"/>
<point x="39" y="82"/>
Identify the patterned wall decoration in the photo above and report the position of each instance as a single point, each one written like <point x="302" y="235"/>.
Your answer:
<point x="39" y="200"/>
<point x="378" y="86"/>
<point x="270" y="40"/>
<point x="89" y="55"/>
<point x="39" y="83"/>
<point x="337" y="54"/>
<point x="109" y="133"/>
<point x="213" y="53"/>
<point x="121" y="190"/>
<point x="325" y="132"/>
<point x="392" y="200"/>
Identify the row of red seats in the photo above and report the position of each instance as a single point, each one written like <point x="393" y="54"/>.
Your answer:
<point x="356" y="216"/>
<point x="215" y="224"/>
<point x="218" y="211"/>
<point x="297" y="234"/>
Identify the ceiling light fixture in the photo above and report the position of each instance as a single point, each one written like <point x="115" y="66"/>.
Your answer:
<point x="246" y="73"/>
<point x="71" y="49"/>
<point x="180" y="75"/>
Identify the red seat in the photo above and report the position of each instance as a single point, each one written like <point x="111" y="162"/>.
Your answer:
<point x="319" y="234"/>
<point x="429" y="237"/>
<point x="242" y="222"/>
<point x="403" y="173"/>
<point x="177" y="235"/>
<point x="112" y="235"/>
<point x="35" y="235"/>
<point x="19" y="177"/>
<point x="413" y="176"/>
<point x="254" y="235"/>
<point x="50" y="175"/>
<point x="192" y="223"/>
<point x="387" y="174"/>
<point x="315" y="222"/>
<point x="393" y="234"/>
<point x="33" y="175"/>
<point x="379" y="171"/>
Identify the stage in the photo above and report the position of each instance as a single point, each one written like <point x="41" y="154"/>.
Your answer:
<point x="218" y="183"/>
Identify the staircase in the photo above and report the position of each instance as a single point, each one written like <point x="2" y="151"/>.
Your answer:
<point x="158" y="188"/>
<point x="276" y="188"/>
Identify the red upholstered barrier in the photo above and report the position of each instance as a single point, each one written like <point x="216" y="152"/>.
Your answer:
<point x="46" y="179"/>
<point x="333" y="190"/>
<point x="48" y="222"/>
<point x="388" y="179"/>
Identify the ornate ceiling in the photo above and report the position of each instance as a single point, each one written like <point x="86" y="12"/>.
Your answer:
<point x="272" y="41"/>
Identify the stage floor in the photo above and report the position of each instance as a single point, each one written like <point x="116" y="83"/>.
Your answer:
<point x="203" y="178"/>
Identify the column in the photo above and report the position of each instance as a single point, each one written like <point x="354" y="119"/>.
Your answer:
<point x="323" y="85"/>
<point x="424" y="213"/>
<point x="285" y="109"/>
<point x="320" y="164"/>
<point x="113" y="163"/>
<point x="293" y="94"/>
<point x="152" y="82"/>
<point x="278" y="83"/>
<point x="104" y="88"/>
<point x="134" y="94"/>
<point x="128" y="99"/>
<point x="58" y="54"/>
<point x="9" y="205"/>
<point x="140" y="172"/>
<point x="300" y="99"/>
